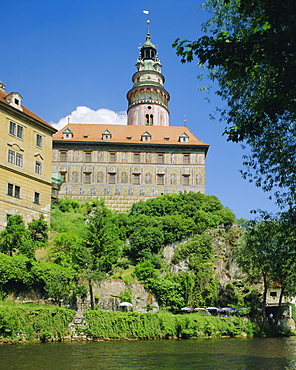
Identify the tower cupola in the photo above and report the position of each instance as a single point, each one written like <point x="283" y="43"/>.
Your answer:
<point x="148" y="100"/>
<point x="148" y="50"/>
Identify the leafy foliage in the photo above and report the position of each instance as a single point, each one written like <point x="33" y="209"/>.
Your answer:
<point x="39" y="231"/>
<point x="268" y="253"/>
<point x="41" y="323"/>
<point x="19" y="273"/>
<point x="163" y="325"/>
<point x="16" y="238"/>
<point x="250" y="52"/>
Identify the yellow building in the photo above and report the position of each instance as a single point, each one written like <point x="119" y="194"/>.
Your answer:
<point x="127" y="163"/>
<point x="25" y="161"/>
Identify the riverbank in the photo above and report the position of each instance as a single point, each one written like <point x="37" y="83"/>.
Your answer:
<point x="24" y="323"/>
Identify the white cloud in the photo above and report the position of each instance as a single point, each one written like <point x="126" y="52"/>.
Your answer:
<point x="86" y="115"/>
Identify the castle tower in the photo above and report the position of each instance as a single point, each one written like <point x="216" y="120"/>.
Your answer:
<point x="148" y="99"/>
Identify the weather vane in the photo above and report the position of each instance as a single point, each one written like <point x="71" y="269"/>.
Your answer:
<point x="148" y="22"/>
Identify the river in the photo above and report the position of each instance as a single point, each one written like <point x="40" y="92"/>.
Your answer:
<point x="218" y="354"/>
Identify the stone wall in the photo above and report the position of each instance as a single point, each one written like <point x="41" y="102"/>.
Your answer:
<point x="107" y="297"/>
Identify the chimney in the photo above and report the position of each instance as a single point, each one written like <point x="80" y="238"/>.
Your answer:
<point x="2" y="86"/>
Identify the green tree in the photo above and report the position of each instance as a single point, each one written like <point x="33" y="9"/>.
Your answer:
<point x="69" y="250"/>
<point x="15" y="238"/>
<point x="250" y="52"/>
<point x="146" y="241"/>
<point x="145" y="270"/>
<point x="267" y="254"/>
<point x="103" y="244"/>
<point x="39" y="231"/>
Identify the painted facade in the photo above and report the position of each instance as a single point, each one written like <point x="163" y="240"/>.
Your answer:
<point x="127" y="163"/>
<point x="25" y="161"/>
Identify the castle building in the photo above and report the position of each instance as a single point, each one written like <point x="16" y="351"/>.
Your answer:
<point x="25" y="161"/>
<point x="127" y="163"/>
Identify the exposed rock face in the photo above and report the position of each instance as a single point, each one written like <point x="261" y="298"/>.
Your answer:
<point x="107" y="297"/>
<point x="226" y="270"/>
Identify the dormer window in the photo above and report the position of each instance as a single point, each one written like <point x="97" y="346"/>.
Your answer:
<point x="106" y="135"/>
<point x="67" y="134"/>
<point x="146" y="136"/>
<point x="14" y="99"/>
<point x="184" y="138"/>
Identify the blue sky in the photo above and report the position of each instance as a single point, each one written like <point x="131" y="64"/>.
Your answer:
<point x="64" y="54"/>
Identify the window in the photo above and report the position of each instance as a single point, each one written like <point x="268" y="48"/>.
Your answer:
<point x="87" y="156"/>
<point x="87" y="177"/>
<point x="39" y="140"/>
<point x="36" y="198"/>
<point x="186" y="158"/>
<point x="38" y="167"/>
<point x="16" y="130"/>
<point x="149" y="119"/>
<point x="185" y="180"/>
<point x="111" y="178"/>
<point x="12" y="128"/>
<point x="63" y="156"/>
<point x="20" y="131"/>
<point x="15" y="158"/>
<point x="19" y="160"/>
<point x="136" y="179"/>
<point x="112" y="157"/>
<point x="160" y="158"/>
<point x="13" y="190"/>
<point x="10" y="190"/>
<point x="136" y="157"/>
<point x="160" y="179"/>
<point x="11" y="156"/>
<point x="273" y="294"/>
<point x="17" y="191"/>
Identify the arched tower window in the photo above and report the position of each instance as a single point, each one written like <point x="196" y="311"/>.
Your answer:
<point x="151" y="119"/>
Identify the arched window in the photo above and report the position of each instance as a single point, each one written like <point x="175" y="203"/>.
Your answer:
<point x="151" y="119"/>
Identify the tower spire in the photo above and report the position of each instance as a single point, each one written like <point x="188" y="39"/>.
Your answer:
<point x="148" y="99"/>
<point x="148" y="30"/>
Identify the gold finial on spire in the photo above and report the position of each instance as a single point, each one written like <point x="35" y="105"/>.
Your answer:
<point x="148" y="28"/>
<point x="185" y="120"/>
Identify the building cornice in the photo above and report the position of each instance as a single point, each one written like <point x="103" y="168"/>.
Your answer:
<point x="19" y="115"/>
<point x="63" y="144"/>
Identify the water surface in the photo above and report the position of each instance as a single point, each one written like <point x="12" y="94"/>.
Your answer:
<point x="218" y="354"/>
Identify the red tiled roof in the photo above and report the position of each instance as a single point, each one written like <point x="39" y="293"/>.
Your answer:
<point x="83" y="132"/>
<point x="25" y="110"/>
